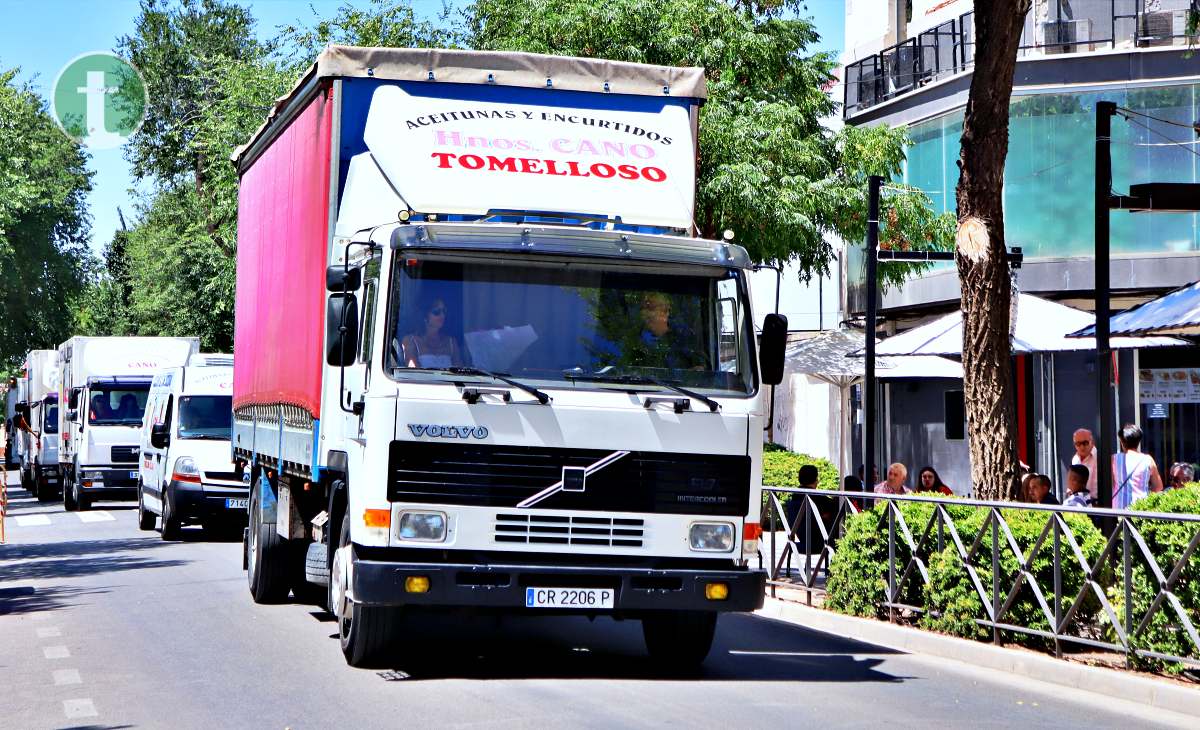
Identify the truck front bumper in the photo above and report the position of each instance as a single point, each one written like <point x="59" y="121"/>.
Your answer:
<point x="382" y="583"/>
<point x="109" y="482"/>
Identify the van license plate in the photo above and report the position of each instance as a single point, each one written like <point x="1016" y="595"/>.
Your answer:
<point x="134" y="475"/>
<point x="243" y="503"/>
<point x="569" y="597"/>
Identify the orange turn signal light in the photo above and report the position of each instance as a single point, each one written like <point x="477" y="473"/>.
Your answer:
<point x="377" y="518"/>
<point x="752" y="531"/>
<point x="716" y="591"/>
<point x="416" y="584"/>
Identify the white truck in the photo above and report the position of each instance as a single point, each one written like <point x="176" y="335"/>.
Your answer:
<point x="187" y="470"/>
<point x="103" y="386"/>
<point x="482" y="362"/>
<point x="12" y="397"/>
<point x="39" y="449"/>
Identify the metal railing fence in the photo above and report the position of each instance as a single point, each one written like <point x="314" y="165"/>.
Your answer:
<point x="1052" y="26"/>
<point x="1104" y="597"/>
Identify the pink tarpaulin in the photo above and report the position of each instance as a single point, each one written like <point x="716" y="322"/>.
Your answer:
<point x="283" y="235"/>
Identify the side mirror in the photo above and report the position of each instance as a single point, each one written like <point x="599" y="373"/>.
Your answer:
<point x="73" y="398"/>
<point x="338" y="278"/>
<point x="160" y="437"/>
<point x="341" y="348"/>
<point x="771" y="347"/>
<point x="72" y="415"/>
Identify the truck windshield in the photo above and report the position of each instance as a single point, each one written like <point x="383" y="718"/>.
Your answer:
<point x="117" y="404"/>
<point x="50" y="418"/>
<point x="593" y="324"/>
<point x="205" y="416"/>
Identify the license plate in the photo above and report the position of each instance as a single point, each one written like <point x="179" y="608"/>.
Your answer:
<point x="569" y="597"/>
<point x="243" y="503"/>
<point x="133" y="475"/>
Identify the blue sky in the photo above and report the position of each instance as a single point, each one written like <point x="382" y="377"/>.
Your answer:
<point x="42" y="36"/>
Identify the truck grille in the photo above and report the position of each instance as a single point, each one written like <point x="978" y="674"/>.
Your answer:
<point x="503" y="476"/>
<point x="124" y="454"/>
<point x="569" y="530"/>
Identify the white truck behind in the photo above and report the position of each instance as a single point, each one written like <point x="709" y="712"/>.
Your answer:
<point x="103" y="386"/>
<point x="39" y="449"/>
<point x="481" y="360"/>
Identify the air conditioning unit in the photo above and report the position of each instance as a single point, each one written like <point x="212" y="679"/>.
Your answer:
<point x="1162" y="28"/>
<point x="1067" y="36"/>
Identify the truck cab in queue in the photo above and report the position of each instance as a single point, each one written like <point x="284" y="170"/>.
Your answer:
<point x="187" y="474"/>
<point x="482" y="361"/>
<point x="39" y="445"/>
<point x="104" y="383"/>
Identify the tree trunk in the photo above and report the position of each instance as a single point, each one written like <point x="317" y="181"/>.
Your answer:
<point x="981" y="252"/>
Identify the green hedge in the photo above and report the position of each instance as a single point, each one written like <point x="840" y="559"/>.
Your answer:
<point x="781" y="468"/>
<point x="1166" y="541"/>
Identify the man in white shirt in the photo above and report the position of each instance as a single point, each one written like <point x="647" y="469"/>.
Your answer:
<point x="1085" y="453"/>
<point x="894" y="484"/>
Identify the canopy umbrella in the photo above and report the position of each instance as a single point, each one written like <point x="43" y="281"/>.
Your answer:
<point x="825" y="357"/>
<point x="1041" y="326"/>
<point x="1174" y="313"/>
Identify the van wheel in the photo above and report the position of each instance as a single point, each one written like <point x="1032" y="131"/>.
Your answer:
<point x="170" y="521"/>
<point x="266" y="558"/>
<point x="679" y="640"/>
<point x="69" y="503"/>
<point x="146" y="518"/>
<point x="365" y="632"/>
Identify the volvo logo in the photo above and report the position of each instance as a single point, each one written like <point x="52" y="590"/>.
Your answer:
<point x="434" y="430"/>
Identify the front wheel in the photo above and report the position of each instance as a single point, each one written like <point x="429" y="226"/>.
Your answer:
<point x="365" y="632"/>
<point x="679" y="640"/>
<point x="69" y="503"/>
<point x="171" y="524"/>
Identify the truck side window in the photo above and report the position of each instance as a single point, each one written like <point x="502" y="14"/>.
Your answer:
<point x="370" y="298"/>
<point x="729" y="326"/>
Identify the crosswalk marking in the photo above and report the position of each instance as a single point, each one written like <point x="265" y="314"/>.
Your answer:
<point x="98" y="516"/>
<point x="32" y="520"/>
<point x="56" y="652"/>
<point x="79" y="708"/>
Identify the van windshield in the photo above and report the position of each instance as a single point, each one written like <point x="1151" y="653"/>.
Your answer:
<point x="584" y="324"/>
<point x="205" y="417"/>
<point x="50" y="418"/>
<point x="117" y="404"/>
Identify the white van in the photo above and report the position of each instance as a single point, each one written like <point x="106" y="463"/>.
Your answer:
<point x="186" y="470"/>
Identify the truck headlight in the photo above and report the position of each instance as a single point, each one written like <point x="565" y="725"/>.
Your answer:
<point x="185" y="470"/>
<point x="714" y="537"/>
<point x="422" y="526"/>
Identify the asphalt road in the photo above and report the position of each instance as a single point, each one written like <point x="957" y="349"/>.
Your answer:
<point x="103" y="626"/>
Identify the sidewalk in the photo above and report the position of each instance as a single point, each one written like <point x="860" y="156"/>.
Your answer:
<point x="1160" y="694"/>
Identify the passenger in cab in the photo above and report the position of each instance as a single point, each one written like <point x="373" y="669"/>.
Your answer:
<point x="99" y="409"/>
<point x="128" y="409"/>
<point x="431" y="347"/>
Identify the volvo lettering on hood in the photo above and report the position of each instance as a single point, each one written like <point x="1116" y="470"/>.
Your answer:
<point x="434" y="430"/>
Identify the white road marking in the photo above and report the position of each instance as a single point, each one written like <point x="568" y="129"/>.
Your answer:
<point x="49" y="632"/>
<point x="67" y="676"/>
<point x="56" y="652"/>
<point x="32" y="520"/>
<point x="100" y="516"/>
<point x="41" y="617"/>
<point x="79" y="708"/>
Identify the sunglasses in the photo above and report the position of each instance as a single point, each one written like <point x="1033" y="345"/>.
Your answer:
<point x="438" y="311"/>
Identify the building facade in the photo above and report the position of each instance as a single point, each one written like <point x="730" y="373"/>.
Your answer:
<point x="910" y="63"/>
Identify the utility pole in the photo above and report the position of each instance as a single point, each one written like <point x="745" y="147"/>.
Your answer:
<point x="1104" y="400"/>
<point x="876" y="182"/>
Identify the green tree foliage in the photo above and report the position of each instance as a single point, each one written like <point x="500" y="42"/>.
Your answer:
<point x="768" y="169"/>
<point x="44" y="259"/>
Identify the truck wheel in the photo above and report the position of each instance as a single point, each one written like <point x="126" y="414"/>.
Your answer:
<point x="679" y="640"/>
<point x="69" y="503"/>
<point x="366" y="632"/>
<point x="146" y="518"/>
<point x="170" y="521"/>
<point x="44" y="492"/>
<point x="266" y="558"/>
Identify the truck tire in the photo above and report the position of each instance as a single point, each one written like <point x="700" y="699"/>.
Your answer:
<point x="366" y="633"/>
<point x="302" y="590"/>
<point x="266" y="558"/>
<point x="146" y="518"/>
<point x="679" y="640"/>
<point x="170" y="521"/>
<point x="69" y="503"/>
<point x="45" y="493"/>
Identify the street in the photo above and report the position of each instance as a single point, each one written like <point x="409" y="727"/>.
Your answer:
<point x="103" y="626"/>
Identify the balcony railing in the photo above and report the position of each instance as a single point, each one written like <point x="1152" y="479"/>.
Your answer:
<point x="1051" y="27"/>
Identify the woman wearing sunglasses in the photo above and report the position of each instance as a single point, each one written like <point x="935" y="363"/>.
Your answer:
<point x="431" y="347"/>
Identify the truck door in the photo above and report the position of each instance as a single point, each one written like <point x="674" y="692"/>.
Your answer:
<point x="358" y="373"/>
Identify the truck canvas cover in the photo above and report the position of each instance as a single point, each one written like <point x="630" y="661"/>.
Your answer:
<point x="451" y="133"/>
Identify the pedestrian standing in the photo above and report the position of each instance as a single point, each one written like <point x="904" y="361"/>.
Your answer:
<point x="1085" y="454"/>
<point x="1135" y="475"/>
<point x="894" y="484"/>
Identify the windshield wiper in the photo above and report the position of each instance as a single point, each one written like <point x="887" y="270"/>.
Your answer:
<point x="644" y="380"/>
<point x="503" y="378"/>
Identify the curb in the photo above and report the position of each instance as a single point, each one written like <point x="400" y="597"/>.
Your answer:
<point x="1158" y="694"/>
